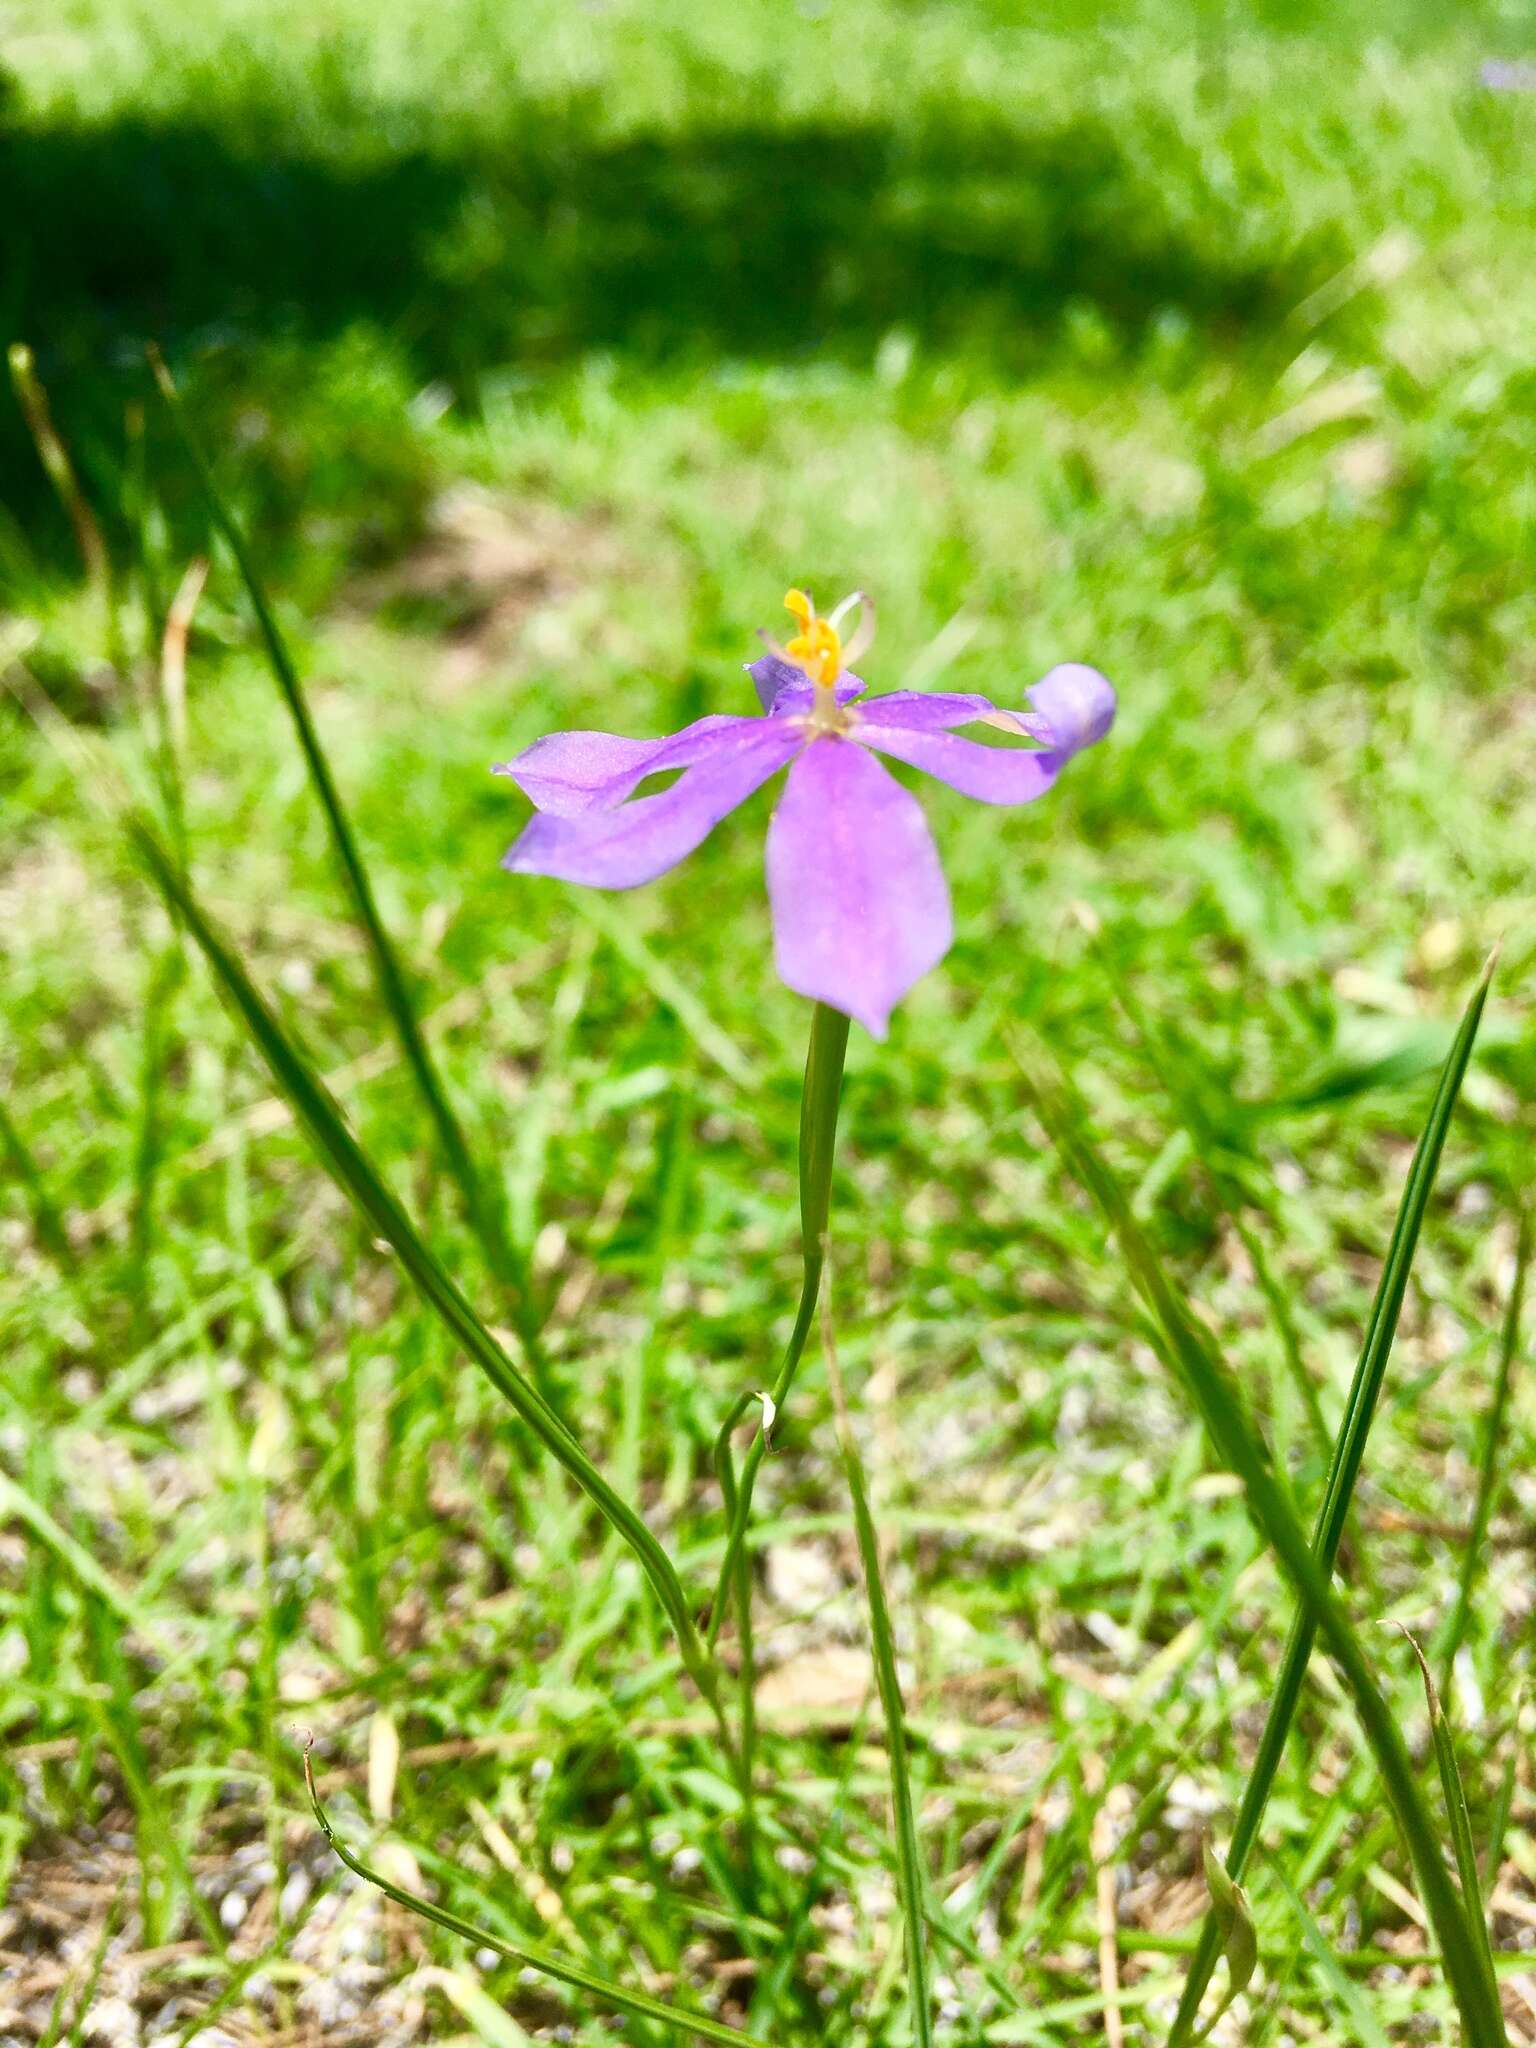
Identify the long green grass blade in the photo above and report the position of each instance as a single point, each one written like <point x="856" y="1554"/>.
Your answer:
<point x="1488" y="1462"/>
<point x="909" y="1866"/>
<point x="359" y="1179"/>
<point x="1348" y="1452"/>
<point x="484" y="1215"/>
<point x="1456" y="1812"/>
<point x="548" y="1964"/>
<point x="1190" y="1356"/>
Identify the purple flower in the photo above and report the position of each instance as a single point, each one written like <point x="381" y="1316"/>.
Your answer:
<point x="860" y="905"/>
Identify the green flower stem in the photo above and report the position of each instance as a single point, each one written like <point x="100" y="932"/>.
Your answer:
<point x="818" y="1137"/>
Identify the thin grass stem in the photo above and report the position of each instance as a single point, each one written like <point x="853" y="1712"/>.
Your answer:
<point x="32" y="397"/>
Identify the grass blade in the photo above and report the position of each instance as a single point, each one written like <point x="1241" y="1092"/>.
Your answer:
<point x="484" y="1216"/>
<point x="47" y="1224"/>
<point x="1456" y="1811"/>
<point x="359" y="1179"/>
<point x="1191" y="1357"/>
<point x="1369" y="2031"/>
<point x="1487" y="1471"/>
<point x="54" y="456"/>
<point x="548" y="1964"/>
<point x="1348" y="1452"/>
<point x="1168" y="1058"/>
<point x="909" y="1866"/>
<point x="16" y="1502"/>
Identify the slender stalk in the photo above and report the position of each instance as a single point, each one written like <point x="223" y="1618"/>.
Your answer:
<point x="1189" y="1353"/>
<point x="819" y="1102"/>
<point x="1348" y="1451"/>
<point x="1493" y="1429"/>
<point x="909" y="1863"/>
<point x="484" y="1216"/>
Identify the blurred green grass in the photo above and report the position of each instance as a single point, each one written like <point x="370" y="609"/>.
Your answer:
<point x="542" y="349"/>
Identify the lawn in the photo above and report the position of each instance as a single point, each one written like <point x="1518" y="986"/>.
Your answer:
<point x="539" y="349"/>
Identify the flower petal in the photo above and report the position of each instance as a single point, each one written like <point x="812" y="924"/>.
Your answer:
<point x="1077" y="705"/>
<point x="783" y="686"/>
<point x="620" y="848"/>
<point x="860" y="905"/>
<point x="923" y="710"/>
<point x="1074" y="707"/>
<point x="993" y="775"/>
<point x="567" y="773"/>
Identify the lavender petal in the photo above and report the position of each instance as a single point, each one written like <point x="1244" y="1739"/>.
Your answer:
<point x="860" y="904"/>
<point x="993" y="775"/>
<point x="567" y="773"/>
<point x="621" y="848"/>
<point x="1074" y="707"/>
<point x="922" y="710"/>
<point x="1077" y="705"/>
<point x="783" y="688"/>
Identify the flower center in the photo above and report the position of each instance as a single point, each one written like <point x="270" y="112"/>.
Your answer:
<point x="819" y="650"/>
<point x="818" y="646"/>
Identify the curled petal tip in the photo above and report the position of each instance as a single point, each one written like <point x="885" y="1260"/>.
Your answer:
<point x="1077" y="703"/>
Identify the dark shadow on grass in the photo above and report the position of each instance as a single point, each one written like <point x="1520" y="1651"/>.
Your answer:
<point x="539" y="245"/>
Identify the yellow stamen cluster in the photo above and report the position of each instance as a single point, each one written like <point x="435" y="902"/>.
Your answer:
<point x="817" y="647"/>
